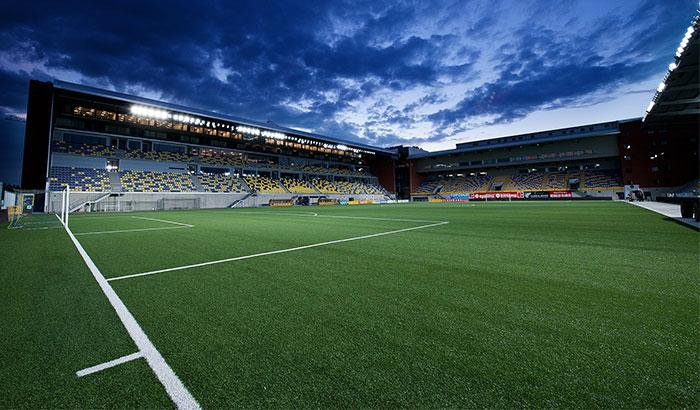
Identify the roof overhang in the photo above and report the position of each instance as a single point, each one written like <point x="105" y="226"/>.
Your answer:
<point x="677" y="98"/>
<point x="537" y="138"/>
<point x="84" y="89"/>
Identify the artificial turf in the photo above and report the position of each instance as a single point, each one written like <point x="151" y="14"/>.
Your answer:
<point x="537" y="304"/>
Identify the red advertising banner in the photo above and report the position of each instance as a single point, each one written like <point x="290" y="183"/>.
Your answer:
<point x="497" y="195"/>
<point x="560" y="194"/>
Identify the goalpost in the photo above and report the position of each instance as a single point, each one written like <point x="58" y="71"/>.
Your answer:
<point x="64" y="210"/>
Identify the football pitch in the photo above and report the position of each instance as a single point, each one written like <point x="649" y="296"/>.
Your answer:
<point x="523" y="304"/>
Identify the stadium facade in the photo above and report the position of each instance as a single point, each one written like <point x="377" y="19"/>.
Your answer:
<point x="123" y="152"/>
<point x="127" y="153"/>
<point x="115" y="148"/>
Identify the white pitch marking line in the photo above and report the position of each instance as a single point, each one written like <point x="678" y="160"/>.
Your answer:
<point x="369" y="218"/>
<point x="132" y="230"/>
<point x="280" y="213"/>
<point x="297" y="248"/>
<point x="41" y="228"/>
<point x="164" y="221"/>
<point x="173" y="385"/>
<point x="109" y="364"/>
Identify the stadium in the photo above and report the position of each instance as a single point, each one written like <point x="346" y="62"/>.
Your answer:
<point x="162" y="255"/>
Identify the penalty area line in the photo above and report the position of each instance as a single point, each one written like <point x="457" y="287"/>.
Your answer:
<point x="181" y="397"/>
<point x="163" y="221"/>
<point x="297" y="248"/>
<point x="179" y="225"/>
<point x="132" y="230"/>
<point x="109" y="364"/>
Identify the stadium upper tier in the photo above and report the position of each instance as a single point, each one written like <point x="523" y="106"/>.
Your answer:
<point x="205" y="158"/>
<point x="533" y="181"/>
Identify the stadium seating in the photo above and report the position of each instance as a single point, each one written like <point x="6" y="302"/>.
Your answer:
<point x="205" y="157"/>
<point x="220" y="183"/>
<point x="86" y="150"/>
<point x="315" y="169"/>
<point x="357" y="188"/>
<point x="263" y="185"/>
<point x="465" y="184"/>
<point x="324" y="186"/>
<point x="159" y="156"/>
<point x="149" y="181"/>
<point x="297" y="186"/>
<point x="428" y="186"/>
<point x="222" y="160"/>
<point x="529" y="181"/>
<point x="79" y="179"/>
<point x="374" y="189"/>
<point x="602" y="180"/>
<point x="532" y="181"/>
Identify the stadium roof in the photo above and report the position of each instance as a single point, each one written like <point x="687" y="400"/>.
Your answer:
<point x="678" y="96"/>
<point x="561" y="134"/>
<point x="64" y="85"/>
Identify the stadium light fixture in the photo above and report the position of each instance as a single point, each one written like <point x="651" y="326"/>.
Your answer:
<point x="248" y="130"/>
<point x="651" y="105"/>
<point x="661" y="87"/>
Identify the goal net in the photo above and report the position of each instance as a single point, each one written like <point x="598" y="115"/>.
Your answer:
<point x="168" y="204"/>
<point x="25" y="210"/>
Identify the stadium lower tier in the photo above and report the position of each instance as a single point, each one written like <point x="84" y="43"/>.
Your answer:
<point x="297" y="186"/>
<point x="263" y="185"/>
<point x="534" y="181"/>
<point x="324" y="186"/>
<point x="149" y="181"/>
<point x="99" y="180"/>
<point x="220" y="183"/>
<point x="79" y="179"/>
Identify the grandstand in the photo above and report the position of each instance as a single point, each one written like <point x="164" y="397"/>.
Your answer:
<point x="220" y="183"/>
<point x="265" y="185"/>
<point x="584" y="160"/>
<point x="134" y="151"/>
<point x="102" y="141"/>
<point x="79" y="179"/>
<point x="297" y="186"/>
<point x="529" y="181"/>
<point x="150" y="181"/>
<point x="324" y="186"/>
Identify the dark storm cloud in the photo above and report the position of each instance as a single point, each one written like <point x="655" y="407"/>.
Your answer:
<point x="265" y="60"/>
<point x="543" y="70"/>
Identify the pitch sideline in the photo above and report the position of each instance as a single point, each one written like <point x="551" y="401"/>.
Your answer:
<point x="177" y="391"/>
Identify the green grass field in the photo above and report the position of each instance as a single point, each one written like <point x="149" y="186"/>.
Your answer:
<point x="555" y="304"/>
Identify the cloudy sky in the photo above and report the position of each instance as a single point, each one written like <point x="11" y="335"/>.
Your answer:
<point x="427" y="73"/>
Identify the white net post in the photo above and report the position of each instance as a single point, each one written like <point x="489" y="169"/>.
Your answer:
<point x="63" y="206"/>
<point x="67" y="204"/>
